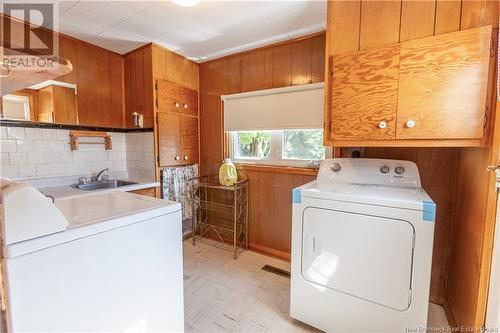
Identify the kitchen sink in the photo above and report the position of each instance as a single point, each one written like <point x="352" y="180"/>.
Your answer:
<point x="102" y="185"/>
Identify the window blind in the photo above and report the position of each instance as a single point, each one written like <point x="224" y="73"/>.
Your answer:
<point x="296" y="107"/>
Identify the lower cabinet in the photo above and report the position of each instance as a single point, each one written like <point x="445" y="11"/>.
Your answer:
<point x="150" y="192"/>
<point x="177" y="139"/>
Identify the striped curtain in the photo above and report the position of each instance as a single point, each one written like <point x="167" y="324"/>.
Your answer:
<point x="175" y="183"/>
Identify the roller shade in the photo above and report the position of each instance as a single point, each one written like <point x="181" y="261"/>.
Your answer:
<point x="294" y="107"/>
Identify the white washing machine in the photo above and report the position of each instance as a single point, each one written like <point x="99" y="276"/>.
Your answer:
<point x="362" y="236"/>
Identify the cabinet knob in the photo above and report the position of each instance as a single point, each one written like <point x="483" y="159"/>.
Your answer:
<point x="410" y="123"/>
<point x="177" y="105"/>
<point x="185" y="106"/>
<point x="186" y="157"/>
<point x="177" y="158"/>
<point x="382" y="125"/>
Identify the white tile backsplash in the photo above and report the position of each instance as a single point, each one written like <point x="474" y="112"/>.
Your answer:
<point x="140" y="155"/>
<point x="29" y="153"/>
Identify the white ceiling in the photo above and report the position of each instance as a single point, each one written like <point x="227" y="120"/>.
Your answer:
<point x="209" y="30"/>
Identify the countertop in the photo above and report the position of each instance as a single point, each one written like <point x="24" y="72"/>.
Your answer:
<point x="66" y="191"/>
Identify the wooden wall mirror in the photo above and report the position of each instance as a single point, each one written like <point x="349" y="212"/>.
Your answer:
<point x="47" y="102"/>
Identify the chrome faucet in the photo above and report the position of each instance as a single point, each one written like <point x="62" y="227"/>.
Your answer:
<point x="96" y="177"/>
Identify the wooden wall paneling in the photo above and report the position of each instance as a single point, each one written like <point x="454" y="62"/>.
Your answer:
<point x="129" y="87"/>
<point x="89" y="97"/>
<point x="117" y="82"/>
<point x="281" y="66"/>
<point x="67" y="50"/>
<point x="417" y="19"/>
<point x="343" y="26"/>
<point x="469" y="215"/>
<point x="191" y="75"/>
<point x="457" y="87"/>
<point x="476" y="13"/>
<point x="318" y="59"/>
<point x="217" y="78"/>
<point x="158" y="56"/>
<point x="270" y="190"/>
<point x="437" y="168"/>
<point x="256" y="71"/>
<point x="448" y="14"/>
<point x="380" y="23"/>
<point x="359" y="109"/>
<point x="301" y="66"/>
<point x="105" y="115"/>
<point x="140" y="89"/>
<point x="148" y="82"/>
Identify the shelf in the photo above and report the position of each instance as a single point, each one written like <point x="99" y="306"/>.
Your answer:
<point x="75" y="135"/>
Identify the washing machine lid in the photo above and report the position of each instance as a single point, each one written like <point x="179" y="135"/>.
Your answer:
<point x="363" y="256"/>
<point x="93" y="214"/>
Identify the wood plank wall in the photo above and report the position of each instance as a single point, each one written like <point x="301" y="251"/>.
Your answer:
<point x="99" y="76"/>
<point x="143" y="67"/>
<point x="455" y="178"/>
<point x="281" y="65"/>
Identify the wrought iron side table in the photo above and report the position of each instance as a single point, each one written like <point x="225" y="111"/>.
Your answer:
<point x="220" y="214"/>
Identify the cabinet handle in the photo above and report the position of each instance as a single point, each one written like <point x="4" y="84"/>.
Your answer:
<point x="185" y="106"/>
<point x="186" y="158"/>
<point x="410" y="123"/>
<point x="382" y="125"/>
<point x="177" y="105"/>
<point x="177" y="158"/>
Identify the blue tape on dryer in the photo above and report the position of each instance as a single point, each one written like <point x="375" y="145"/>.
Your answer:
<point x="296" y="197"/>
<point x="429" y="211"/>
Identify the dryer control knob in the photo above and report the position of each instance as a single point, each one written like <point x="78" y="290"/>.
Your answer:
<point x="385" y="169"/>
<point x="399" y="170"/>
<point x="336" y="167"/>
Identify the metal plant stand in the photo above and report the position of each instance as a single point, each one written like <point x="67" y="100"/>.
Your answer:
<point x="220" y="214"/>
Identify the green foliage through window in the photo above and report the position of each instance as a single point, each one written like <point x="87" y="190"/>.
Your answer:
<point x="254" y="144"/>
<point x="303" y="144"/>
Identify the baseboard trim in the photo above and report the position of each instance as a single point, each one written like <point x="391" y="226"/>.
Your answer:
<point x="269" y="251"/>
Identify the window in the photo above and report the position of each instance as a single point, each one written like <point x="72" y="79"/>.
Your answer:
<point x="296" y="147"/>
<point x="16" y="107"/>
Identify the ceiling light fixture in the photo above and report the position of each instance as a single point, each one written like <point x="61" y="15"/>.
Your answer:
<point x="186" y="3"/>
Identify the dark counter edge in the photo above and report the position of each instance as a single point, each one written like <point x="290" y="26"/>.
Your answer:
<point x="14" y="123"/>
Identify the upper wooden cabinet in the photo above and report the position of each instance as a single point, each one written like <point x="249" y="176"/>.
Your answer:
<point x="177" y="124"/>
<point x="433" y="89"/>
<point x="365" y="94"/>
<point x="443" y="82"/>
<point x="146" y="66"/>
<point x="174" y="98"/>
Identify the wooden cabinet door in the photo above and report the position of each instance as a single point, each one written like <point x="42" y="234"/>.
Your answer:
<point x="169" y="96"/>
<point x="443" y="83"/>
<point x="189" y="139"/>
<point x="169" y="143"/>
<point x="190" y="102"/>
<point x="364" y="94"/>
<point x="174" y="98"/>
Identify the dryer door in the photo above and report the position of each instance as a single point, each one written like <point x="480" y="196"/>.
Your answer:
<point x="365" y="256"/>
